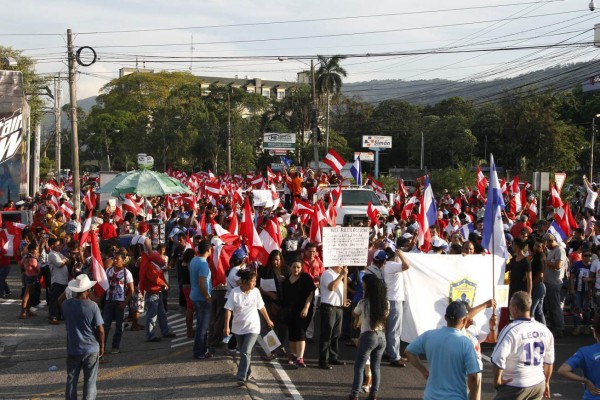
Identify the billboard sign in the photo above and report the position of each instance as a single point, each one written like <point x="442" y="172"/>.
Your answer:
<point x="365" y="156"/>
<point x="279" y="141"/>
<point x="14" y="114"/>
<point x="381" y="142"/>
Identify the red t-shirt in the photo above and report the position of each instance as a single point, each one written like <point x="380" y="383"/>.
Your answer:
<point x="314" y="268"/>
<point x="106" y="230"/>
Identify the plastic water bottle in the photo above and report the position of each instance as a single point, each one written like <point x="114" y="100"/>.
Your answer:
<point x="53" y="368"/>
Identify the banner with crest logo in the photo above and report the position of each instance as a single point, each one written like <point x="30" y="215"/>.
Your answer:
<point x="14" y="116"/>
<point x="433" y="280"/>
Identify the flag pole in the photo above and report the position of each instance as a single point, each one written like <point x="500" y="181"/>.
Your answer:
<point x="493" y="245"/>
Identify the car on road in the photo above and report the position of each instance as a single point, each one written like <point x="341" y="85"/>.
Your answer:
<point x="355" y="201"/>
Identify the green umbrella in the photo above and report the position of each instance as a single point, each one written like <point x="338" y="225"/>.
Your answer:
<point x="144" y="183"/>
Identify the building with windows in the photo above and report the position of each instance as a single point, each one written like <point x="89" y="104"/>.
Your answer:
<point x="269" y="89"/>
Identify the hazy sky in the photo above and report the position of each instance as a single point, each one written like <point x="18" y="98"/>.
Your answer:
<point x="303" y="29"/>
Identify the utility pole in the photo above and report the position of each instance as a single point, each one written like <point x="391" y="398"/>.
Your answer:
<point x="74" y="134"/>
<point x="228" y="131"/>
<point x="36" y="159"/>
<point x="315" y="116"/>
<point x="57" y="128"/>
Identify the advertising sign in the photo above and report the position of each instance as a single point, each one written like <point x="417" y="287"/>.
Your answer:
<point x="14" y="114"/>
<point x="382" y="142"/>
<point x="279" y="141"/>
<point x="365" y="156"/>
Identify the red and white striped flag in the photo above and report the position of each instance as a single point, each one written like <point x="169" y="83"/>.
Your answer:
<point x="90" y="200"/>
<point x="98" y="267"/>
<point x="334" y="160"/>
<point x="85" y="230"/>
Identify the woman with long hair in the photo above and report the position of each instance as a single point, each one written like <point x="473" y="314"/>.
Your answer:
<point x="298" y="291"/>
<point x="245" y="302"/>
<point x="270" y="280"/>
<point x="371" y="312"/>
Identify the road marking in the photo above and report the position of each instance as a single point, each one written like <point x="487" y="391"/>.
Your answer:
<point x="182" y="343"/>
<point x="115" y="373"/>
<point x="486" y="358"/>
<point x="285" y="378"/>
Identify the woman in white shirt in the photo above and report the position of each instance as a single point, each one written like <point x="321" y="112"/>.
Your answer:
<point x="372" y="312"/>
<point x="244" y="302"/>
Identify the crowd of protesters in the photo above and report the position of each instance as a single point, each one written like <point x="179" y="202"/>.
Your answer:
<point x="557" y="275"/>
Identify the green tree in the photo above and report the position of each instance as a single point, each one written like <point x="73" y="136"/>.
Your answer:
<point x="328" y="79"/>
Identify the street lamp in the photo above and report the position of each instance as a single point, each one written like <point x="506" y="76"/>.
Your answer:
<point x="592" y="150"/>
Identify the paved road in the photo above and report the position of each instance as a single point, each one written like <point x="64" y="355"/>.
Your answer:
<point x="165" y="369"/>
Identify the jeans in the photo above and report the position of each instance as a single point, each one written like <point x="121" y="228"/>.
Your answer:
<point x="55" y="291"/>
<point x="155" y="308"/>
<point x="4" y="289"/>
<point x="113" y="312"/>
<point x="89" y="363"/>
<point x="370" y="346"/>
<point x="331" y="329"/>
<point x="202" y="309"/>
<point x="538" y="292"/>
<point x="246" y="343"/>
<point x="582" y="314"/>
<point x="393" y="330"/>
<point x="555" y="312"/>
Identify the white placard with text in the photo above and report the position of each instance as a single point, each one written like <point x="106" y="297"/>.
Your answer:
<point x="345" y="246"/>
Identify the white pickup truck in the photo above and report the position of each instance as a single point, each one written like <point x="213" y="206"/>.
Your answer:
<point x="355" y="201"/>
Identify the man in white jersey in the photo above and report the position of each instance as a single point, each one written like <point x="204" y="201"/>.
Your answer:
<point x="523" y="358"/>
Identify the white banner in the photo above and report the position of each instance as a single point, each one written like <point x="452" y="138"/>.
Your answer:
<point x="262" y="198"/>
<point x="345" y="246"/>
<point x="432" y="280"/>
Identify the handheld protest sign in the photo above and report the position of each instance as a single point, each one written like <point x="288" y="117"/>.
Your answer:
<point x="345" y="246"/>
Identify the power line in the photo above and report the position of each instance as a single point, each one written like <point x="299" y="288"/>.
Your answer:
<point x="339" y="34"/>
<point x="314" y="19"/>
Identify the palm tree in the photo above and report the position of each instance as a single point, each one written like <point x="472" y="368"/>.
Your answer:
<point x="329" y="80"/>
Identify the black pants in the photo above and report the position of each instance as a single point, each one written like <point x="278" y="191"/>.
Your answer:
<point x="331" y="329"/>
<point x="217" y="319"/>
<point x="55" y="292"/>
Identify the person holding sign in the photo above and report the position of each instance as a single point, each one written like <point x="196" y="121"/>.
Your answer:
<point x="332" y="303"/>
<point x="245" y="303"/>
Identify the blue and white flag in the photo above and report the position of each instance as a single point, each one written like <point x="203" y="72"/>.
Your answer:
<point x="466" y="229"/>
<point x="356" y="171"/>
<point x="286" y="161"/>
<point x="493" y="229"/>
<point x="557" y="231"/>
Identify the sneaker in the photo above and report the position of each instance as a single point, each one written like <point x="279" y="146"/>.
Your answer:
<point x="300" y="363"/>
<point x="292" y="358"/>
<point x="208" y="354"/>
<point x="241" y="382"/>
<point x="115" y="350"/>
<point x="233" y="352"/>
<point x="54" y="321"/>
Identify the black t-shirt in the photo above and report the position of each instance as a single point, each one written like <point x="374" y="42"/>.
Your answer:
<point x="518" y="270"/>
<point x="537" y="266"/>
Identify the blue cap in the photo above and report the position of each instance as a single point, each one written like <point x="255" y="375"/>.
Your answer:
<point x="380" y="256"/>
<point x="456" y="310"/>
<point x="239" y="253"/>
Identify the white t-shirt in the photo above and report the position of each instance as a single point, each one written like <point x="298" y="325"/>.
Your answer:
<point x="233" y="280"/>
<point x="59" y="272"/>
<point x="394" y="281"/>
<point x="590" y="199"/>
<point x="476" y="336"/>
<point x="244" y="307"/>
<point x="595" y="269"/>
<point x="117" y="283"/>
<point x="362" y="310"/>
<point x="523" y="347"/>
<point x="336" y="297"/>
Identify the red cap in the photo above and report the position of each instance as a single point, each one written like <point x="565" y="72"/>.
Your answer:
<point x="143" y="227"/>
